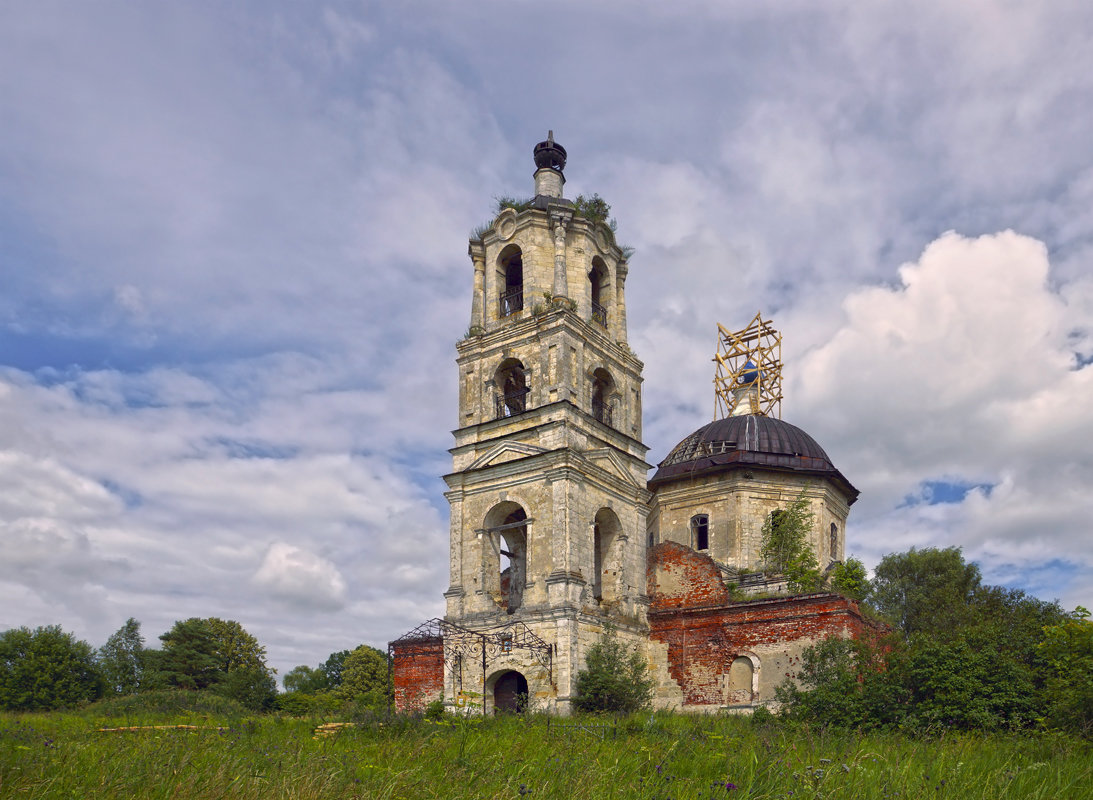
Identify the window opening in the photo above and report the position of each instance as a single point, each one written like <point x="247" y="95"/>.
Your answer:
<point x="512" y="382"/>
<point x="602" y="387"/>
<point x="834" y="541"/>
<point x="512" y="292"/>
<point x="700" y="531"/>
<point x="596" y="278"/>
<point x="512" y="549"/>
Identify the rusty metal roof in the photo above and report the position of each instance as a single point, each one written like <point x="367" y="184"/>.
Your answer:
<point x="749" y="440"/>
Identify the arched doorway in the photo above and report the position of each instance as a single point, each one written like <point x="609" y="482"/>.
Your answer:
<point x="510" y="693"/>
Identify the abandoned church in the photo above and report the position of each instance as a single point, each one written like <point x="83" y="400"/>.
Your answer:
<point x="557" y="534"/>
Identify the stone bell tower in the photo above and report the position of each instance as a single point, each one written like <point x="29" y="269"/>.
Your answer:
<point x="548" y="490"/>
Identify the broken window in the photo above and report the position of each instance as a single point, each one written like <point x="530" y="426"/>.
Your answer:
<point x="511" y="382"/>
<point x="700" y="531"/>
<point x="511" y="274"/>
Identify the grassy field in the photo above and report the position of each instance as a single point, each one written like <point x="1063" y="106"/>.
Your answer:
<point x="66" y="755"/>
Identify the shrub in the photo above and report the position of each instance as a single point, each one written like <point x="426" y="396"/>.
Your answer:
<point x="615" y="678"/>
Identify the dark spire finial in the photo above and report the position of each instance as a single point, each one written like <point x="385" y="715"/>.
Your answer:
<point x="549" y="154"/>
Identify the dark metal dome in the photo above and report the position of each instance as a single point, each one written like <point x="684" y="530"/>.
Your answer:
<point x="750" y="440"/>
<point x="549" y="154"/>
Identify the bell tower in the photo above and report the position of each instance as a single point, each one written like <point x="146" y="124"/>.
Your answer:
<point x="548" y="490"/>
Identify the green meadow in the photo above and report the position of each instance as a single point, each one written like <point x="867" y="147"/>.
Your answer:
<point x="228" y="755"/>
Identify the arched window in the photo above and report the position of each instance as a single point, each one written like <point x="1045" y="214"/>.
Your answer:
<point x="603" y="387"/>
<point x="511" y="281"/>
<point x="512" y="387"/>
<point x="700" y="531"/>
<point x="834" y="554"/>
<point x="605" y="567"/>
<point x="505" y="553"/>
<point x="597" y="278"/>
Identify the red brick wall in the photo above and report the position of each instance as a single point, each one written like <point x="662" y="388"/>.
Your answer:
<point x="697" y="572"/>
<point x="417" y="673"/>
<point x="704" y="631"/>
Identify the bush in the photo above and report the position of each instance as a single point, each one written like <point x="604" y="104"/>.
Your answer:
<point x="615" y="678"/>
<point x="46" y="669"/>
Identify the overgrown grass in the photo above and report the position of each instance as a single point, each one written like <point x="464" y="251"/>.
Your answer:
<point x="65" y="755"/>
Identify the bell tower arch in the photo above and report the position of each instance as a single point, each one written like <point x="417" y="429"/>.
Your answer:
<point x="548" y="485"/>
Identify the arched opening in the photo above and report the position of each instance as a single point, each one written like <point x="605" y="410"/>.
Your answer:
<point x="700" y="531"/>
<point x="512" y="388"/>
<point x="603" y="389"/>
<point x="510" y="693"/>
<point x="606" y="563"/>
<point x="510" y="269"/>
<point x="597" y="278"/>
<point x="740" y="682"/>
<point x="834" y="552"/>
<point x="506" y="554"/>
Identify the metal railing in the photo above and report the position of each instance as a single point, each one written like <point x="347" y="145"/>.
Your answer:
<point x="512" y="403"/>
<point x="511" y="302"/>
<point x="599" y="314"/>
<point x="603" y="413"/>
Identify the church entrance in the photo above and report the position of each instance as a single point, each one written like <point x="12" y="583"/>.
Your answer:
<point x="510" y="693"/>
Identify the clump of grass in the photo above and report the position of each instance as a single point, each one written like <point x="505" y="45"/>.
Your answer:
<point x="643" y="756"/>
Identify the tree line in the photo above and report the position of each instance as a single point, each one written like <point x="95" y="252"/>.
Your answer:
<point x="960" y="654"/>
<point x="48" y="668"/>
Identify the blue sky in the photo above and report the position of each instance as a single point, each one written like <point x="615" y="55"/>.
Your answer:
<point x="233" y="259"/>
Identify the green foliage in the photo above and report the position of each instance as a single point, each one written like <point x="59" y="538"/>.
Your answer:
<point x="615" y="678"/>
<point x="1068" y="648"/>
<point x="158" y="705"/>
<point x="638" y="758"/>
<point x="46" y="668"/>
<point x="188" y="659"/>
<point x="121" y="659"/>
<point x="925" y="590"/>
<point x="511" y="202"/>
<point x="785" y="546"/>
<point x="364" y="678"/>
<point x="306" y="679"/>
<point x="214" y="653"/>
<point x="979" y="668"/>
<point x="851" y="580"/>
<point x="333" y="667"/>
<point x="593" y="208"/>
<point x="435" y="710"/>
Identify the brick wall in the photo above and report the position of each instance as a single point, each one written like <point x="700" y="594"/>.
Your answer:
<point x="418" y="673"/>
<point x="691" y="613"/>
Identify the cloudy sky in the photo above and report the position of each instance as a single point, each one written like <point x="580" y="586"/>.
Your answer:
<point x="233" y="269"/>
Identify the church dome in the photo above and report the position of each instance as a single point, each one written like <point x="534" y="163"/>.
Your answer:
<point x="749" y="441"/>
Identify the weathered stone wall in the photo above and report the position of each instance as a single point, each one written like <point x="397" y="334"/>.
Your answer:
<point x="738" y="503"/>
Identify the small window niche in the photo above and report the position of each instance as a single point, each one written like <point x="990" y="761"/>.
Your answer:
<point x="700" y="531"/>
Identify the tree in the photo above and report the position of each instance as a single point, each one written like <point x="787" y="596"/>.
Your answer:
<point x="189" y="657"/>
<point x="785" y="546"/>
<point x="364" y="677"/>
<point x="333" y="666"/>
<point x="121" y="659"/>
<point x="1068" y="648"/>
<point x="615" y="678"/>
<point x="305" y="679"/>
<point x="925" y="590"/>
<point x="214" y="653"/>
<point x="46" y="669"/>
<point x="850" y="579"/>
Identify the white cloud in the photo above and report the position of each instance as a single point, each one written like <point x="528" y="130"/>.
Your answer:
<point x="963" y="373"/>
<point x="301" y="578"/>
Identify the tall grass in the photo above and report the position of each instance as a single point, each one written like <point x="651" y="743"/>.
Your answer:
<point x="650" y="756"/>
